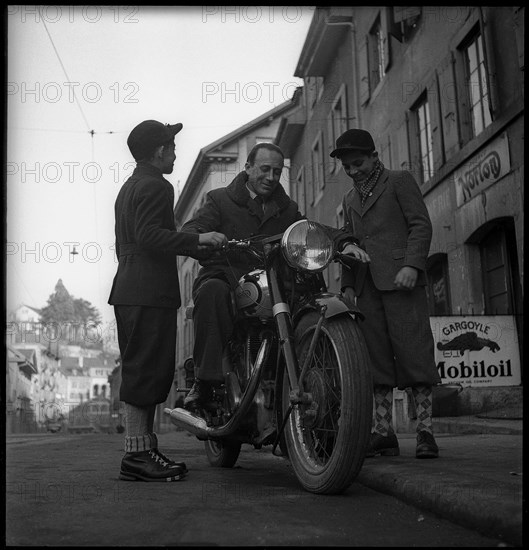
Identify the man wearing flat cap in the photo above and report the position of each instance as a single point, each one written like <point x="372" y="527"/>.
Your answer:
<point x="145" y="295"/>
<point x="385" y="212"/>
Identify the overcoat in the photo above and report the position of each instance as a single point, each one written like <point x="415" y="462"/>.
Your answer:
<point x="232" y="211"/>
<point x="147" y="242"/>
<point x="393" y="227"/>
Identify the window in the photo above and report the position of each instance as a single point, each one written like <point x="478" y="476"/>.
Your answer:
<point x="301" y="192"/>
<point x="499" y="268"/>
<point x="478" y="93"/>
<point x="337" y="123"/>
<point x="425" y="141"/>
<point x="405" y="20"/>
<point x="318" y="178"/>
<point x="314" y="86"/>
<point x="377" y="41"/>
<point x="438" y="285"/>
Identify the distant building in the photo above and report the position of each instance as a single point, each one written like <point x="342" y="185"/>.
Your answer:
<point x="99" y="373"/>
<point x="20" y="411"/>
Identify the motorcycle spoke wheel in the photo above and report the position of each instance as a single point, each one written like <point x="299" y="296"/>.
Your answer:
<point x="327" y="439"/>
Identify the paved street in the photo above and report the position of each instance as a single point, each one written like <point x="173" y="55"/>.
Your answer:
<point x="63" y="490"/>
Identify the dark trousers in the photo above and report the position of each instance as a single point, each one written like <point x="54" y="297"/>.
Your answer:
<point x="147" y="343"/>
<point x="213" y="325"/>
<point x="398" y="336"/>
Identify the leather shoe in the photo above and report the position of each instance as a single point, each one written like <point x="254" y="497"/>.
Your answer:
<point x="148" y="466"/>
<point x="426" y="445"/>
<point x="200" y="394"/>
<point x="171" y="462"/>
<point x="385" y="445"/>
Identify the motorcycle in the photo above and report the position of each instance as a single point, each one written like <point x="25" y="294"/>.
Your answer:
<point x="296" y="368"/>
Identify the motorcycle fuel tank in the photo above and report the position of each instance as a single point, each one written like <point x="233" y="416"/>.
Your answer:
<point x="252" y="295"/>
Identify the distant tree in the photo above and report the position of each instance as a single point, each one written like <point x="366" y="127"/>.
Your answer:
<point x="60" y="308"/>
<point x="85" y="312"/>
<point x="70" y="316"/>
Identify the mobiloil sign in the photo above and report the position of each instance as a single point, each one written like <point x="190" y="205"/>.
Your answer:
<point x="477" y="351"/>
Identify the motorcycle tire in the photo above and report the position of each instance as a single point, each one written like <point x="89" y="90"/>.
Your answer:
<point x="222" y="454"/>
<point x="327" y="441"/>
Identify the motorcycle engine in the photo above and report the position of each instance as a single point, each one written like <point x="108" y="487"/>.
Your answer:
<point x="252" y="295"/>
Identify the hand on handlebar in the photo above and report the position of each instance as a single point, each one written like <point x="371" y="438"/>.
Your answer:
<point x="356" y="252"/>
<point x="212" y="240"/>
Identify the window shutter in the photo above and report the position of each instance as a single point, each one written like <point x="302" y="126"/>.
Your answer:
<point x="363" y="70"/>
<point x="385" y="22"/>
<point x="415" y="152"/>
<point x="402" y="149"/>
<point x="519" y="32"/>
<point x="490" y="66"/>
<point x="435" y="121"/>
<point x="404" y="13"/>
<point x="448" y="102"/>
<point x="330" y="141"/>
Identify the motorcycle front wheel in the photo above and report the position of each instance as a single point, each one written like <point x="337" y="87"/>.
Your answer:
<point x="222" y="454"/>
<point x="327" y="438"/>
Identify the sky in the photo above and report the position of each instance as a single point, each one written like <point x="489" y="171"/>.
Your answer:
<point x="79" y="78"/>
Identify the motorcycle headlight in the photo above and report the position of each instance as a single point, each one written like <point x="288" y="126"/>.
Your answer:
<point x="306" y="245"/>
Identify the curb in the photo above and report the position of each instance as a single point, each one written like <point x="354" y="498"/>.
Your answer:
<point x="444" y="498"/>
<point x="475" y="425"/>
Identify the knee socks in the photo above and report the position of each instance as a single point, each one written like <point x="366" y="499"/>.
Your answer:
<point x="423" y="403"/>
<point x="139" y="424"/>
<point x="383" y="421"/>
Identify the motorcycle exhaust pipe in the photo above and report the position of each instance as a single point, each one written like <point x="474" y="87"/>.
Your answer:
<point x="198" y="426"/>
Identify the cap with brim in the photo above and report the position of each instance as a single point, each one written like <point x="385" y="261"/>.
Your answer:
<point x="353" y="140"/>
<point x="148" y="135"/>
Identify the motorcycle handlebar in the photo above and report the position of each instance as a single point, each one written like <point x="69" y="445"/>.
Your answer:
<point x="234" y="244"/>
<point x="347" y="260"/>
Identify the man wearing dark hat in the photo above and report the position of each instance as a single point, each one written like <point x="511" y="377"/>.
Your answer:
<point x="145" y="295"/>
<point x="385" y="211"/>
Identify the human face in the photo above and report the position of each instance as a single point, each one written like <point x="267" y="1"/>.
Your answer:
<point x="168" y="158"/>
<point x="358" y="164"/>
<point x="264" y="173"/>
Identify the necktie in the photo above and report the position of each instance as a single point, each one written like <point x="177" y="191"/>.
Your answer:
<point x="259" y="200"/>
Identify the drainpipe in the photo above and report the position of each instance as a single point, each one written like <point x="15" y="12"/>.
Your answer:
<point x="356" y="104"/>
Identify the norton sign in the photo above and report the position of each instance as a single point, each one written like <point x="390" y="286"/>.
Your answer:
<point x="478" y="350"/>
<point x="482" y="170"/>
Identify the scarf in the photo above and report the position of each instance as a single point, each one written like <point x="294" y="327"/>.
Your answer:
<point x="365" y="188"/>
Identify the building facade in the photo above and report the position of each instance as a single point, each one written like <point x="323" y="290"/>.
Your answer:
<point x="441" y="91"/>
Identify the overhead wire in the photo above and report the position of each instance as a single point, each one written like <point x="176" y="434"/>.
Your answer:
<point x="90" y="131"/>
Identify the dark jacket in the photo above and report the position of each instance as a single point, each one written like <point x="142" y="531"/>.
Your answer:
<point x="147" y="242"/>
<point x="231" y="210"/>
<point x="393" y="227"/>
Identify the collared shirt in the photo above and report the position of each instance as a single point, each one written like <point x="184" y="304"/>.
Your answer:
<point x="254" y="195"/>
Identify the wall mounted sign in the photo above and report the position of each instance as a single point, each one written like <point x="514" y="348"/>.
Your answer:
<point x="477" y="350"/>
<point x="483" y="169"/>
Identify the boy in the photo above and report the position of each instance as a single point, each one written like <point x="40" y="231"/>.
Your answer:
<point x="385" y="211"/>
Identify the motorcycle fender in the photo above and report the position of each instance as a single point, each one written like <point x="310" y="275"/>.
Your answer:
<point x="335" y="306"/>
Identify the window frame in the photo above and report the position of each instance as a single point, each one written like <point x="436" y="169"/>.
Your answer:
<point x="317" y="186"/>
<point x="439" y="260"/>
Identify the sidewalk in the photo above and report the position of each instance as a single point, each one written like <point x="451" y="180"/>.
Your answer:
<point x="476" y="481"/>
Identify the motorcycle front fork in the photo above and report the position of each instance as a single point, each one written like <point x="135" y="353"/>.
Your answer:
<point x="285" y="329"/>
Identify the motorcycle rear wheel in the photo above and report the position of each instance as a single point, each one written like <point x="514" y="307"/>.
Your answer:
<point x="327" y="447"/>
<point x="222" y="454"/>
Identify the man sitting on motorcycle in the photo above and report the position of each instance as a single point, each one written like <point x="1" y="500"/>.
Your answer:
<point x="254" y="204"/>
